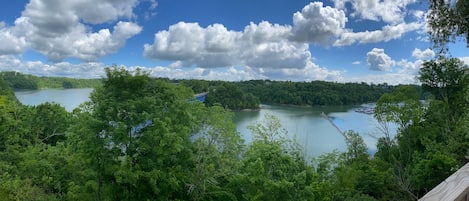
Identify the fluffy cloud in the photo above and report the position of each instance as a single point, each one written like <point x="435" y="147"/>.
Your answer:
<point x="426" y="54"/>
<point x="56" y="16"/>
<point x="389" y="78"/>
<point x="309" y="73"/>
<point x="318" y="24"/>
<point x="389" y="11"/>
<point x="64" y="29"/>
<point x="378" y="60"/>
<point x="96" y="70"/>
<point x="262" y="45"/>
<point x="389" y="32"/>
<point x="193" y="45"/>
<point x="409" y="67"/>
<point x="65" y="69"/>
<point x="57" y="29"/>
<point x="11" y="44"/>
<point x="267" y="49"/>
<point x="228" y="74"/>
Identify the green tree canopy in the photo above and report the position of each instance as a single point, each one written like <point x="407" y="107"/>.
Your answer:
<point x="448" y="20"/>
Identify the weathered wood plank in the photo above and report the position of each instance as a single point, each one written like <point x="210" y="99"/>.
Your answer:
<point x="454" y="188"/>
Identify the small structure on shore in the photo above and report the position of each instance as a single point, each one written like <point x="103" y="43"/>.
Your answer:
<point x="365" y="110"/>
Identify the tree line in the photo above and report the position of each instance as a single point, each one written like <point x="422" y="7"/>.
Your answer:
<point x="236" y="95"/>
<point x="19" y="81"/>
<point x="249" y="94"/>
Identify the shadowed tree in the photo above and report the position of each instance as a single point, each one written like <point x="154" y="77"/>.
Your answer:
<point x="448" y="20"/>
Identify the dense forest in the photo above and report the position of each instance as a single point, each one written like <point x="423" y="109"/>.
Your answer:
<point x="139" y="138"/>
<point x="236" y="95"/>
<point x="248" y="94"/>
<point x="20" y="81"/>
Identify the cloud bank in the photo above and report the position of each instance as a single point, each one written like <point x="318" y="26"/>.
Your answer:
<point x="89" y="30"/>
<point x="59" y="29"/>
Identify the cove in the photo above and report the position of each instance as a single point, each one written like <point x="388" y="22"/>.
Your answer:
<point x="304" y="124"/>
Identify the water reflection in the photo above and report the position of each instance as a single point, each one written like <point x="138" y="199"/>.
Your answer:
<point x="304" y="124"/>
<point x="313" y="132"/>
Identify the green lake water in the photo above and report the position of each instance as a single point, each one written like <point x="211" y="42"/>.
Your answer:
<point x="304" y="124"/>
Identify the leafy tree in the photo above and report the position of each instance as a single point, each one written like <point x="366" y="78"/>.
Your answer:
<point x="67" y="85"/>
<point x="230" y="96"/>
<point x="272" y="168"/>
<point x="430" y="144"/>
<point x="20" y="81"/>
<point x="218" y="146"/>
<point x="138" y="140"/>
<point x="353" y="175"/>
<point x="25" y="81"/>
<point x="448" y="20"/>
<point x="403" y="107"/>
<point x="314" y="93"/>
<point x="48" y="122"/>
<point x="29" y="168"/>
<point x="198" y="86"/>
<point x="445" y="79"/>
<point x="142" y="139"/>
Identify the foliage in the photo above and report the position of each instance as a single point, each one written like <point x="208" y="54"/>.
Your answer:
<point x="314" y="93"/>
<point x="272" y="167"/>
<point x="67" y="83"/>
<point x="231" y="96"/>
<point x="430" y="144"/>
<point x="218" y="146"/>
<point x="20" y="81"/>
<point x="23" y="81"/>
<point x="140" y="138"/>
<point x="30" y="167"/>
<point x="248" y="94"/>
<point x="197" y="86"/>
<point x="445" y="79"/>
<point x="448" y="20"/>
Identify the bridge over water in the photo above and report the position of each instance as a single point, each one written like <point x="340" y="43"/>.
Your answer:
<point x="201" y="97"/>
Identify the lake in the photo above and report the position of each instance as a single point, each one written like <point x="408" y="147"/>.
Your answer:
<point x="313" y="132"/>
<point x="305" y="124"/>
<point x="69" y="98"/>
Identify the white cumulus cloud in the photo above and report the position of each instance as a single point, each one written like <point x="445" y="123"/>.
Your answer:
<point x="426" y="54"/>
<point x="64" y="69"/>
<point x="387" y="33"/>
<point x="191" y="44"/>
<point x="378" y="60"/>
<point x="59" y="29"/>
<point x="318" y="24"/>
<point x="389" y="11"/>
<point x="262" y="45"/>
<point x="11" y="44"/>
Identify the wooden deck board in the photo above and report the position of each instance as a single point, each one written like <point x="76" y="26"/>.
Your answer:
<point x="454" y="188"/>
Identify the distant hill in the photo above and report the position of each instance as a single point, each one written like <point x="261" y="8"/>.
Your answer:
<point x="20" y="81"/>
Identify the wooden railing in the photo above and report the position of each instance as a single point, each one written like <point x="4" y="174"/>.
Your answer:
<point x="454" y="188"/>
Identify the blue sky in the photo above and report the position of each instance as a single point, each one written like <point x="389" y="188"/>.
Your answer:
<point x="336" y="40"/>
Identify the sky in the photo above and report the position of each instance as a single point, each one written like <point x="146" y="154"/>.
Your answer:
<point x="373" y="41"/>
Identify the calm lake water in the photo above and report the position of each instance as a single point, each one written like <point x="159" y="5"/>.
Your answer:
<point x="69" y="98"/>
<point x="304" y="124"/>
<point x="313" y="132"/>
